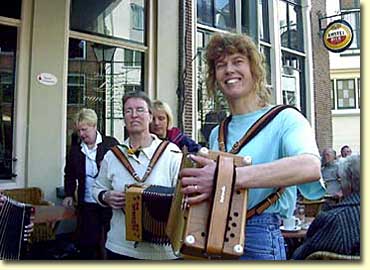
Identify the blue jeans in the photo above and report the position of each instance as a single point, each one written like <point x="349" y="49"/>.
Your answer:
<point x="263" y="238"/>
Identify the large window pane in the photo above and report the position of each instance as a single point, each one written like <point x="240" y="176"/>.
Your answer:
<point x="11" y="9"/>
<point x="113" y="18"/>
<point x="217" y="13"/>
<point x="291" y="27"/>
<point x="264" y="20"/>
<point x="293" y="80"/>
<point x="225" y="14"/>
<point x="8" y="49"/>
<point x="99" y="80"/>
<point x="204" y="10"/>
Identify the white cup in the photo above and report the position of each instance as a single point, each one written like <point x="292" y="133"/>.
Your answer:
<point x="290" y="223"/>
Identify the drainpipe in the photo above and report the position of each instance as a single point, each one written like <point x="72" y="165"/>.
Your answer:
<point x="182" y="63"/>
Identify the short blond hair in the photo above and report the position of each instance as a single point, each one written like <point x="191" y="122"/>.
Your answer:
<point x="163" y="106"/>
<point x="87" y="116"/>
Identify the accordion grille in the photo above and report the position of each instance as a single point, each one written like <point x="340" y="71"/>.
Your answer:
<point x="156" y="204"/>
<point x="14" y="216"/>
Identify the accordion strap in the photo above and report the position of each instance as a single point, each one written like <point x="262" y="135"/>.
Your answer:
<point x="126" y="163"/>
<point x="262" y="122"/>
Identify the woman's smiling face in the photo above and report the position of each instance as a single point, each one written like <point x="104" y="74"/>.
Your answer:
<point x="234" y="76"/>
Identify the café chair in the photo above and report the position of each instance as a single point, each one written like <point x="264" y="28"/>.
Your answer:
<point x="34" y="196"/>
<point x="327" y="255"/>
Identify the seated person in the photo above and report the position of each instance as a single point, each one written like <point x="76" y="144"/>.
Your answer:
<point x="345" y="151"/>
<point x="330" y="174"/>
<point x="337" y="228"/>
<point x="162" y="126"/>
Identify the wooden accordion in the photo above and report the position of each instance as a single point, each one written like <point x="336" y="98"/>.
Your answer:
<point x="147" y="209"/>
<point x="213" y="228"/>
<point x="14" y="216"/>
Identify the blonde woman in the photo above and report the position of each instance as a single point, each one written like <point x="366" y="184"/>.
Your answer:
<point x="82" y="167"/>
<point x="162" y="126"/>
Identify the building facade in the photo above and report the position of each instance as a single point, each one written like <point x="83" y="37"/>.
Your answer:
<point x="59" y="56"/>
<point x="345" y="75"/>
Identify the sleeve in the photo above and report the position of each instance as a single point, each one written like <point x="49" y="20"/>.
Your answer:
<point x="70" y="175"/>
<point x="192" y="146"/>
<point x="297" y="139"/>
<point x="297" y="135"/>
<point x="103" y="182"/>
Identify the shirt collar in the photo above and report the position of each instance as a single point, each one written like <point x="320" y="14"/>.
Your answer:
<point x="147" y="151"/>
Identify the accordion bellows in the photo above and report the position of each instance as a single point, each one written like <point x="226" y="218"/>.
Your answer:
<point x="147" y="209"/>
<point x="14" y="216"/>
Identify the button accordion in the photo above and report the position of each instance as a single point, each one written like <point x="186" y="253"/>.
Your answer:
<point x="214" y="228"/>
<point x="147" y="209"/>
<point x="14" y="217"/>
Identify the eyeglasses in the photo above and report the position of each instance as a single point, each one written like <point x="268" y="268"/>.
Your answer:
<point x="138" y="110"/>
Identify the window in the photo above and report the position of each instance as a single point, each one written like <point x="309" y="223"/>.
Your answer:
<point x="8" y="54"/>
<point x="264" y="18"/>
<point x="110" y="18"/>
<point x="219" y="16"/>
<point x="217" y="13"/>
<point x="346" y="97"/>
<point x="99" y="81"/>
<point x="132" y="58"/>
<point x="293" y="80"/>
<point x="76" y="89"/>
<point x="291" y="26"/>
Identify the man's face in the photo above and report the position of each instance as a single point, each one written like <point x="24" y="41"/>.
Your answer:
<point x="327" y="156"/>
<point x="137" y="115"/>
<point x="346" y="152"/>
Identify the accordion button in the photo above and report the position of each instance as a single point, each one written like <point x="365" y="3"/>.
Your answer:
<point x="238" y="249"/>
<point x="190" y="239"/>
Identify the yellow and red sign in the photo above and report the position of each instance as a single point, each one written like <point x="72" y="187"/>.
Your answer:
<point x="338" y="36"/>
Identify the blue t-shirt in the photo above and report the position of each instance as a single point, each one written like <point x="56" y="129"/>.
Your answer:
<point x="288" y="134"/>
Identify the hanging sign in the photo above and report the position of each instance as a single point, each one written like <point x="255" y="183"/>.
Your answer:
<point x="47" y="78"/>
<point x="338" y="36"/>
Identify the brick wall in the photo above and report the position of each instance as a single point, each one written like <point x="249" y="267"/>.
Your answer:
<point x="188" y="83"/>
<point x="321" y="84"/>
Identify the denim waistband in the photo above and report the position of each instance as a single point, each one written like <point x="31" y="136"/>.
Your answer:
<point x="265" y="218"/>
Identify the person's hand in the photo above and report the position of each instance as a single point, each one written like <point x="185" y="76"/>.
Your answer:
<point x="197" y="183"/>
<point x="68" y="201"/>
<point x="115" y="199"/>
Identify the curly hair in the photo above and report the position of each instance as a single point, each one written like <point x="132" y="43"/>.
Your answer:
<point x="221" y="45"/>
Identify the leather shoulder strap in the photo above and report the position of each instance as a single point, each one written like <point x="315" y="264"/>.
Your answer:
<point x="125" y="162"/>
<point x="157" y="154"/>
<point x="121" y="157"/>
<point x="263" y="121"/>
